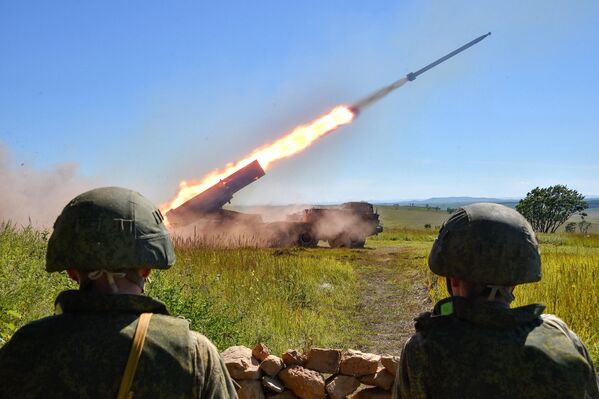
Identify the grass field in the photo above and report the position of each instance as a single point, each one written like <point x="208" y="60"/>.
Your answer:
<point x="293" y="298"/>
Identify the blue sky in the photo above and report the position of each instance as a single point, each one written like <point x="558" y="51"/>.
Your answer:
<point x="144" y="94"/>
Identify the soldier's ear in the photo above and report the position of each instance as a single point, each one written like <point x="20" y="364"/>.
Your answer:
<point x="144" y="272"/>
<point x="74" y="275"/>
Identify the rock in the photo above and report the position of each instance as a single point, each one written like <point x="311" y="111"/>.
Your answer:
<point x="241" y="364"/>
<point x="358" y="364"/>
<point x="342" y="386"/>
<point x="391" y="363"/>
<point x="260" y="352"/>
<point x="272" y="365"/>
<point x="307" y="384"/>
<point x="284" y="395"/>
<point x="273" y="384"/>
<point x="250" y="389"/>
<point x="381" y="379"/>
<point x="294" y="358"/>
<point x="324" y="360"/>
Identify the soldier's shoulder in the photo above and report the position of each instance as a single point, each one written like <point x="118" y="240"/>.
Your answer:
<point x="555" y="325"/>
<point x="36" y="327"/>
<point x="553" y="321"/>
<point x="202" y="342"/>
<point x="428" y="321"/>
<point x="182" y="325"/>
<point x="171" y="320"/>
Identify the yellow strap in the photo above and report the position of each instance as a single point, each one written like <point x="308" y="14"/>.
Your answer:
<point x="134" y="354"/>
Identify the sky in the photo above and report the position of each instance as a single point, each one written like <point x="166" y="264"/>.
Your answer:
<point x="144" y="94"/>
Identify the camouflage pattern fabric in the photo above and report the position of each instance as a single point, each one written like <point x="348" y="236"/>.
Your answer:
<point x="468" y="350"/>
<point x="81" y="352"/>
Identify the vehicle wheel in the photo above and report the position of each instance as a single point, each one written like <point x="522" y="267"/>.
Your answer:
<point x="341" y="241"/>
<point x="357" y="244"/>
<point x="306" y="240"/>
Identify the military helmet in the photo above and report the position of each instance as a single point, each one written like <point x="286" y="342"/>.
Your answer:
<point x="488" y="244"/>
<point x="109" y="228"/>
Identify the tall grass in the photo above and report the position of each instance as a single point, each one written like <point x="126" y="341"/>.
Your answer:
<point x="245" y="296"/>
<point x="235" y="296"/>
<point x="27" y="292"/>
<point x="569" y="286"/>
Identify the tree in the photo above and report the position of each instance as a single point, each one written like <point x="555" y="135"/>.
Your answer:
<point x="571" y="227"/>
<point x="583" y="225"/>
<point x="548" y="208"/>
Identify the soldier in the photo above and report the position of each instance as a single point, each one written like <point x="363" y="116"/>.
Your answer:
<point x="473" y="345"/>
<point x="106" y="340"/>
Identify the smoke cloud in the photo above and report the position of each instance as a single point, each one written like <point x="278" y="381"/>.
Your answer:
<point x="33" y="196"/>
<point x="281" y="226"/>
<point x="379" y="94"/>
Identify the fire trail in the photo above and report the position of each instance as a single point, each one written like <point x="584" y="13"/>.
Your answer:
<point x="301" y="137"/>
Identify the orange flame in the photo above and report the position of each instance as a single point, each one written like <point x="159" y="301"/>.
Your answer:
<point x="296" y="141"/>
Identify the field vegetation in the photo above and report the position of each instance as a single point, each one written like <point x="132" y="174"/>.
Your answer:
<point x="294" y="298"/>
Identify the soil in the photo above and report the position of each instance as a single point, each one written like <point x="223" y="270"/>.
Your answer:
<point x="393" y="293"/>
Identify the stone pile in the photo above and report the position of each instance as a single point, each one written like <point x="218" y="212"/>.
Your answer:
<point x="320" y="373"/>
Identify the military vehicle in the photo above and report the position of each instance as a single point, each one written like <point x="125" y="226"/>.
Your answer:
<point x="347" y="225"/>
<point x="209" y="203"/>
<point x="204" y="216"/>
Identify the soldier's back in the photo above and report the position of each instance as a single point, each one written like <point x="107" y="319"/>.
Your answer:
<point x="83" y="354"/>
<point x="484" y="351"/>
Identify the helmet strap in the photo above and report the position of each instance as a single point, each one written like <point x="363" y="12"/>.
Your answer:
<point x="131" y="275"/>
<point x="502" y="290"/>
<point x="97" y="274"/>
<point x="134" y="277"/>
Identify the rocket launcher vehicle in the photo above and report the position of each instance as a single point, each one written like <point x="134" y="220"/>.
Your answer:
<point x="214" y="198"/>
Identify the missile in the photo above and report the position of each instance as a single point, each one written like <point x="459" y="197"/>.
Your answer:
<point x="413" y="75"/>
<point x="377" y="95"/>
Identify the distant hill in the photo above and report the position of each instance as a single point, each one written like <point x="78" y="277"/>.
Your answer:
<point x="593" y="202"/>
<point x="456" y="202"/>
<point x="452" y="202"/>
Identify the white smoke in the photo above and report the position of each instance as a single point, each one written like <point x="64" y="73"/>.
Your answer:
<point x="277" y="226"/>
<point x="33" y="196"/>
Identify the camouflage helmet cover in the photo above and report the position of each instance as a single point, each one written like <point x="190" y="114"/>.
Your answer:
<point x="109" y="228"/>
<point x="488" y="244"/>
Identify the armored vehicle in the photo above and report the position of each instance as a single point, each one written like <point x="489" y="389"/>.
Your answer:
<point x="347" y="225"/>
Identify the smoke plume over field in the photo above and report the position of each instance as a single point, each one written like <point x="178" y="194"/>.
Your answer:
<point x="30" y="195"/>
<point x="276" y="226"/>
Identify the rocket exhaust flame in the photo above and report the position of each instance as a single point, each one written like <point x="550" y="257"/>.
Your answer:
<point x="301" y="137"/>
<point x="288" y="145"/>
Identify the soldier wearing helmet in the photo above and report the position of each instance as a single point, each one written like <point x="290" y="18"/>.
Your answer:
<point x="106" y="340"/>
<point x="473" y="345"/>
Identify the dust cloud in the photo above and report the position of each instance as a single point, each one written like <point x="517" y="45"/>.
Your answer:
<point x="33" y="196"/>
<point x="278" y="226"/>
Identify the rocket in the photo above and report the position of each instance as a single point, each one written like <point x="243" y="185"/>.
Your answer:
<point x="377" y="95"/>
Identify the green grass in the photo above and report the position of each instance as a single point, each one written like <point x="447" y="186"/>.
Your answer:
<point x="27" y="292"/>
<point x="295" y="298"/>
<point x="235" y="297"/>
<point x="394" y="217"/>
<point x="245" y="296"/>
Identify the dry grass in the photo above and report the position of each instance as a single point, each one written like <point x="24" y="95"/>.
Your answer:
<point x="569" y="286"/>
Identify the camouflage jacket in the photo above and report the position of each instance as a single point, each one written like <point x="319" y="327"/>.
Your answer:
<point x="468" y="350"/>
<point x="81" y="352"/>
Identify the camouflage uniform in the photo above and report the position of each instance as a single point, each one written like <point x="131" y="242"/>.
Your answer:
<point x="479" y="347"/>
<point x="82" y="352"/>
<point x="468" y="350"/>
